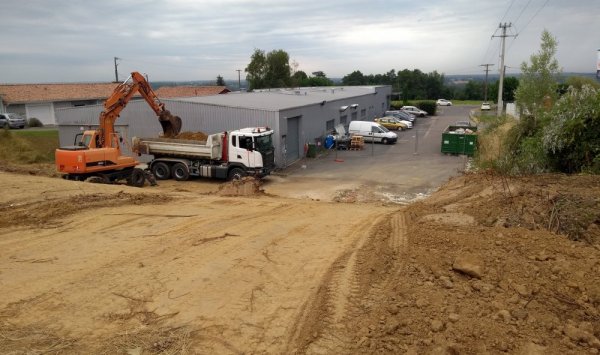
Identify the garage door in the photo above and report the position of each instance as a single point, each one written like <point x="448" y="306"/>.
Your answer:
<point x="292" y="139"/>
<point x="43" y="112"/>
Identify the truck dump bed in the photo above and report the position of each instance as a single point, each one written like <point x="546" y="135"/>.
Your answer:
<point x="181" y="148"/>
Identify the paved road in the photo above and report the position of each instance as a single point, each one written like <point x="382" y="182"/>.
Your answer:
<point x="412" y="166"/>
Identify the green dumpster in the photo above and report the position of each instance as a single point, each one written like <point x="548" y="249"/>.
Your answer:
<point x="459" y="140"/>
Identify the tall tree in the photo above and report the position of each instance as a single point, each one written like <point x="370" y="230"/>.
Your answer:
<point x="257" y="70"/>
<point x="278" y="69"/>
<point x="509" y="88"/>
<point x="269" y="71"/>
<point x="354" y="78"/>
<point x="220" y="81"/>
<point x="474" y="90"/>
<point x="317" y="81"/>
<point x="539" y="80"/>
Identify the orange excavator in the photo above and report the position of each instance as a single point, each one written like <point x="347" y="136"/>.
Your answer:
<point x="97" y="153"/>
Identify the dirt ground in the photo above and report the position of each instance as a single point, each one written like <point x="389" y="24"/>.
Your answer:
<point x="485" y="264"/>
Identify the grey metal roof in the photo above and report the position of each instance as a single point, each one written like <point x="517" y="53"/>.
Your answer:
<point x="282" y="99"/>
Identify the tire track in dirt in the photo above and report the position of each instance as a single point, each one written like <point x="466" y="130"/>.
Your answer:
<point x="325" y="320"/>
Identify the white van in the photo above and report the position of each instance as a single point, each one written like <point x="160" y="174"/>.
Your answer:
<point x="372" y="131"/>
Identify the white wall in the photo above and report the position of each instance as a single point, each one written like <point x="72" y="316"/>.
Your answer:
<point x="43" y="112"/>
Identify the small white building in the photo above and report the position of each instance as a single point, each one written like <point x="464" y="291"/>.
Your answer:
<point x="42" y="100"/>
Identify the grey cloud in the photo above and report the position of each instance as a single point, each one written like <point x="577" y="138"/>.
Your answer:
<point x="64" y="40"/>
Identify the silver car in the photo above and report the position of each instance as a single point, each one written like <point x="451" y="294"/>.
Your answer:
<point x="414" y="110"/>
<point x="11" y="120"/>
<point x="401" y="115"/>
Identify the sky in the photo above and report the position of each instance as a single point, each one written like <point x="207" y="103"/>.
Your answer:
<point x="45" y="41"/>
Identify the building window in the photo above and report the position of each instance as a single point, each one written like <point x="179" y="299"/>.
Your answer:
<point x="329" y="125"/>
<point x="354" y="116"/>
<point x="363" y="113"/>
<point x="343" y="119"/>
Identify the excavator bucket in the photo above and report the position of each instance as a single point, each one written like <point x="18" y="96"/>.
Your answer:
<point x="171" y="125"/>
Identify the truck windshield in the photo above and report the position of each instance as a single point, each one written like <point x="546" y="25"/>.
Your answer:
<point x="264" y="143"/>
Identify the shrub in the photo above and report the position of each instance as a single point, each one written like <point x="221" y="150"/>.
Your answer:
<point x="428" y="106"/>
<point x="395" y="105"/>
<point x="570" y="136"/>
<point x="34" y="122"/>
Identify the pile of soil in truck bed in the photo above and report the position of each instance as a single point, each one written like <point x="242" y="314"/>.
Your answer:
<point x="195" y="136"/>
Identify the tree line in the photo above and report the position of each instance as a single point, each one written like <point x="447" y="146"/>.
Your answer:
<point x="273" y="70"/>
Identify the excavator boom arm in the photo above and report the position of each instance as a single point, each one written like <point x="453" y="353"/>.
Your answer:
<point x="120" y="98"/>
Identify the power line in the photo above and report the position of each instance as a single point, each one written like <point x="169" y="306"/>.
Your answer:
<point x="509" y="6"/>
<point x="527" y="24"/>
<point x="485" y="55"/>
<point x="522" y="11"/>
<point x="534" y="15"/>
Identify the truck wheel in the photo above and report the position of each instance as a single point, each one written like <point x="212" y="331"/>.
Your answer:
<point x="180" y="172"/>
<point x="136" y="178"/>
<point x="161" y="170"/>
<point x="236" y="174"/>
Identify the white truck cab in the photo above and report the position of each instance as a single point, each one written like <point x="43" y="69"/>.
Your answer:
<point x="246" y="146"/>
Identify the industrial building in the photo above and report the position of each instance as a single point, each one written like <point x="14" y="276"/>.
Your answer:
<point x="298" y="116"/>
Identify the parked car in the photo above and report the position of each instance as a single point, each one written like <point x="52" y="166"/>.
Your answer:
<point x="485" y="106"/>
<point x="372" y="131"/>
<point x="408" y="123"/>
<point x="11" y="120"/>
<point x="401" y="115"/>
<point x="443" y="102"/>
<point x="392" y="123"/>
<point x="414" y="110"/>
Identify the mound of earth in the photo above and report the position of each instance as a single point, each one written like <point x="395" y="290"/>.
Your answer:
<point x="485" y="265"/>
<point x="30" y="169"/>
<point x="45" y="213"/>
<point x="196" y="136"/>
<point x="246" y="186"/>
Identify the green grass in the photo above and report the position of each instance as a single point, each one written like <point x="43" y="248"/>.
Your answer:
<point x="28" y="146"/>
<point x="49" y="133"/>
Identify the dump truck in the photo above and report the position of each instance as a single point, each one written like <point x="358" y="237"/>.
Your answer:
<point x="459" y="139"/>
<point x="224" y="155"/>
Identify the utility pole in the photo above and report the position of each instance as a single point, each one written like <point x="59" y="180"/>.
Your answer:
<point x="485" y="88"/>
<point x="239" y="80"/>
<point x="116" y="72"/>
<point x="501" y="83"/>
